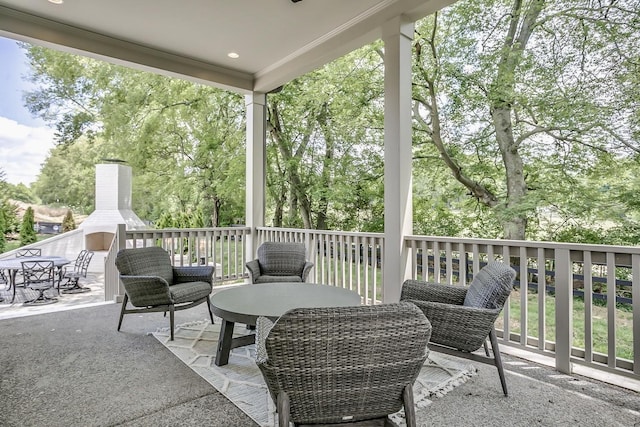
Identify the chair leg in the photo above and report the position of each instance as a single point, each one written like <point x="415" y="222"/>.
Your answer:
<point x="409" y="405"/>
<point x="498" y="360"/>
<point x="209" y="308"/>
<point x="282" y="407"/>
<point x="486" y="348"/>
<point x="171" y="319"/>
<point x="124" y="304"/>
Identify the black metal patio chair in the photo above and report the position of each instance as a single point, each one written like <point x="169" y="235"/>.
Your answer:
<point x="77" y="272"/>
<point x="39" y="276"/>
<point x="27" y="252"/>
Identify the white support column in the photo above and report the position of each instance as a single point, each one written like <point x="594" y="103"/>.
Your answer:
<point x="398" y="212"/>
<point x="256" y="166"/>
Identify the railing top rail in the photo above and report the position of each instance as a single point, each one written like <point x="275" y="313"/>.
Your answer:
<point x="529" y="244"/>
<point x="185" y="230"/>
<point x="327" y="232"/>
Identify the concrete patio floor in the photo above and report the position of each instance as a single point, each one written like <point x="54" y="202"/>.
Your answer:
<point x="70" y="367"/>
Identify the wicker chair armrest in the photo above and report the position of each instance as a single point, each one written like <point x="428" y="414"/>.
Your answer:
<point x="458" y="326"/>
<point x="254" y="269"/>
<point x="263" y="327"/>
<point x="146" y="291"/>
<point x="200" y="273"/>
<point x="305" y="271"/>
<point x="427" y="291"/>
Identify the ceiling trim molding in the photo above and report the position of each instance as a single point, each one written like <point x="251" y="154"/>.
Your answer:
<point x="33" y="29"/>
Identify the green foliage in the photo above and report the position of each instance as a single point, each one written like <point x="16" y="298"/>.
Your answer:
<point x="184" y="141"/>
<point x="67" y="177"/>
<point x="3" y="239"/>
<point x="10" y="215"/>
<point x="21" y="193"/>
<point x="8" y="211"/>
<point x="27" y="231"/>
<point x="538" y="136"/>
<point x="499" y="110"/>
<point x="68" y="223"/>
<point x="325" y="133"/>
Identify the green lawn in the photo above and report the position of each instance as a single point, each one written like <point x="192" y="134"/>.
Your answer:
<point x="624" y="322"/>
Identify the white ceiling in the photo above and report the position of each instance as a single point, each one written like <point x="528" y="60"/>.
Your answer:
<point x="277" y="40"/>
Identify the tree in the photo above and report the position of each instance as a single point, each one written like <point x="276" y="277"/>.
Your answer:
<point x="67" y="177"/>
<point x="68" y="223"/>
<point x="27" y="230"/>
<point x="513" y="97"/>
<point x="3" y="209"/>
<point x="324" y="145"/>
<point x="3" y="239"/>
<point x="184" y="141"/>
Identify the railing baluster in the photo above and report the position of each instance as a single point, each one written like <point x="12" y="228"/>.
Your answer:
<point x="635" y="296"/>
<point x="542" y="299"/>
<point x="564" y="310"/>
<point x="506" y="311"/>
<point x="611" y="309"/>
<point x="588" y="306"/>
<point x="449" y="263"/>
<point x="436" y="262"/>
<point x="524" y="295"/>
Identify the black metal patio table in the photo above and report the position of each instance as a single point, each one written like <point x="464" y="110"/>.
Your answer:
<point x="13" y="265"/>
<point x="244" y="304"/>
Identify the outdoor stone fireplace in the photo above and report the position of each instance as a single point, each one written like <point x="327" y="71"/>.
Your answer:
<point x="113" y="207"/>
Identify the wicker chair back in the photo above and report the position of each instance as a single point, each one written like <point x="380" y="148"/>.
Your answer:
<point x="347" y="363"/>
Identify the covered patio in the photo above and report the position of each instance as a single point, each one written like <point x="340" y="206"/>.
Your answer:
<point x="92" y="375"/>
<point x="72" y="368"/>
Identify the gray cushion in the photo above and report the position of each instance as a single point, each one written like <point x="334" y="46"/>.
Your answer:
<point x="265" y="278"/>
<point x="491" y="287"/>
<point x="190" y="291"/>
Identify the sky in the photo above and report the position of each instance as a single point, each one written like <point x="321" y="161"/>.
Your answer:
<point x="25" y="140"/>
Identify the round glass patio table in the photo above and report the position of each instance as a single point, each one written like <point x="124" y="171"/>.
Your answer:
<point x="13" y="265"/>
<point x="244" y="304"/>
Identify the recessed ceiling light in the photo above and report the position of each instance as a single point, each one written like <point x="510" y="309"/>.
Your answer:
<point x="233" y="55"/>
<point x="56" y="1"/>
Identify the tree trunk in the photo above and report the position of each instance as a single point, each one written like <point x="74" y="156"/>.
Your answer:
<point x="299" y="194"/>
<point x="502" y="99"/>
<point x="325" y="184"/>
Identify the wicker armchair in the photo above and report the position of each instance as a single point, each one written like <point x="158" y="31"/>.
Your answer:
<point x="152" y="284"/>
<point x="345" y="364"/>
<point x="463" y="318"/>
<point x="280" y="262"/>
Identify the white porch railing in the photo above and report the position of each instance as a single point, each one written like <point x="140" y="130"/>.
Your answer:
<point x="577" y="303"/>
<point x="589" y="312"/>
<point x="223" y="248"/>
<point x="347" y="260"/>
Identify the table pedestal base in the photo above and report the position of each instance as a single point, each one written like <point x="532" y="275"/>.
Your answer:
<point x="227" y="342"/>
